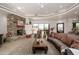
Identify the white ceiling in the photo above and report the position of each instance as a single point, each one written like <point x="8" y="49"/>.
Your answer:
<point x="38" y="9"/>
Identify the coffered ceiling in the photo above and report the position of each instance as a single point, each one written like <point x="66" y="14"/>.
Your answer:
<point x="39" y="9"/>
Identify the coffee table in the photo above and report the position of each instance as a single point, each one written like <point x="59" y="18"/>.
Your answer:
<point x="39" y="46"/>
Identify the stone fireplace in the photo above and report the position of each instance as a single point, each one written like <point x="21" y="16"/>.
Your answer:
<point x="12" y="24"/>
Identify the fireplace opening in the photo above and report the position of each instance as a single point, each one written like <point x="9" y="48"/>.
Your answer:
<point x="19" y="32"/>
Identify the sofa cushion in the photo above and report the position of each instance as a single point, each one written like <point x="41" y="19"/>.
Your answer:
<point x="67" y="40"/>
<point x="52" y="35"/>
<point x="64" y="38"/>
<point x="75" y="44"/>
<point x="59" y="36"/>
<point x="55" y="35"/>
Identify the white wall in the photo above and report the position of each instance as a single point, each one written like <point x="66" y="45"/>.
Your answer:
<point x="67" y="22"/>
<point x="52" y="22"/>
<point x="3" y="23"/>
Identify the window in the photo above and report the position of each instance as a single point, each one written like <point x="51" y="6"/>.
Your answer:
<point x="37" y="27"/>
<point x="77" y="25"/>
<point x="41" y="26"/>
<point x="46" y="26"/>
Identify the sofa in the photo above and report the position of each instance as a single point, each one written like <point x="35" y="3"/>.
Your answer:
<point x="64" y="40"/>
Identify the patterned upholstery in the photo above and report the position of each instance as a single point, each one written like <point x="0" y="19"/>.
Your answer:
<point x="75" y="44"/>
<point x="68" y="39"/>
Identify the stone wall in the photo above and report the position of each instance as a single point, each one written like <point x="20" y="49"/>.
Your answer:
<point x="12" y="23"/>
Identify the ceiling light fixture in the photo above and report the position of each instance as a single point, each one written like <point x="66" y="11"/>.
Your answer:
<point x="19" y="8"/>
<point x="42" y="6"/>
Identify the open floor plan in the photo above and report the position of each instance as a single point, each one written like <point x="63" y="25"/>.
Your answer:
<point x="39" y="28"/>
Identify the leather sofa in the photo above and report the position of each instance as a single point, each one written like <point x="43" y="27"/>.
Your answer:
<point x="64" y="40"/>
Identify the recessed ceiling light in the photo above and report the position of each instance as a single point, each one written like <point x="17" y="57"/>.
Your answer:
<point x="19" y="7"/>
<point x="42" y="6"/>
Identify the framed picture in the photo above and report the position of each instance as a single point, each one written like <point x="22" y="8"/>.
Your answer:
<point x="60" y="27"/>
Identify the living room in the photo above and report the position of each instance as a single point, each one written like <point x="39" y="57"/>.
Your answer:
<point x="57" y="24"/>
